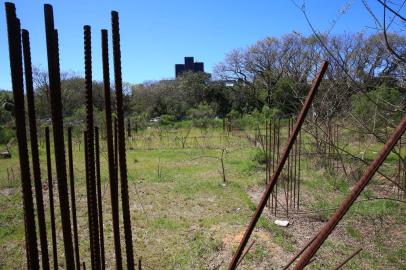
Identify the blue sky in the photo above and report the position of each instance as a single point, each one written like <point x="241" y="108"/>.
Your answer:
<point x="156" y="34"/>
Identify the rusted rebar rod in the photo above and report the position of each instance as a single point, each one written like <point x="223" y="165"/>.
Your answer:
<point x="299" y="169"/>
<point x="91" y="182"/>
<point x="57" y="124"/>
<point x="355" y="253"/>
<point x="350" y="199"/>
<point x="115" y="129"/>
<point x="121" y="140"/>
<point x="99" y="198"/>
<point x="51" y="199"/>
<point x="85" y="150"/>
<point x="246" y="252"/>
<point x="34" y="149"/>
<point x="73" y="199"/>
<point x="298" y="254"/>
<point x="110" y="151"/>
<point x="14" y="43"/>
<point x="129" y="128"/>
<point x="279" y="168"/>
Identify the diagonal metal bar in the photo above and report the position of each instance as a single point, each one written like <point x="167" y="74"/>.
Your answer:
<point x="274" y="178"/>
<point x="350" y="199"/>
<point x="355" y="253"/>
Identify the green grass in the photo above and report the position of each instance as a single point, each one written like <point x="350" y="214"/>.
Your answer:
<point x="183" y="217"/>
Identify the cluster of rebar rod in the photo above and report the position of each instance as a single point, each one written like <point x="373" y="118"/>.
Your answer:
<point x="115" y="148"/>
<point x="290" y="184"/>
<point x="19" y="50"/>
<point x="307" y="253"/>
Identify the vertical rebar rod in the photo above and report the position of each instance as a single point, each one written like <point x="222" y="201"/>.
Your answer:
<point x="292" y="176"/>
<point x="73" y="199"/>
<point x="121" y="140"/>
<point x="287" y="190"/>
<point x="116" y="161"/>
<point x="277" y="161"/>
<point x="265" y="146"/>
<point x="279" y="168"/>
<point x="270" y="143"/>
<point x="92" y="193"/>
<point x="295" y="173"/>
<point x="299" y="169"/>
<point x="129" y="128"/>
<point x="99" y="198"/>
<point x="399" y="175"/>
<point x="51" y="199"/>
<point x="57" y="124"/>
<point x="34" y="149"/>
<point x="350" y="199"/>
<point x="14" y="42"/>
<point x="110" y="151"/>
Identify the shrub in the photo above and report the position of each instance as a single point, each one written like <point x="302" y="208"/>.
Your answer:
<point x="167" y="120"/>
<point x="201" y="116"/>
<point x="385" y="103"/>
<point x="6" y="134"/>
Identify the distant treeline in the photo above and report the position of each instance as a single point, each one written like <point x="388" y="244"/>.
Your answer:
<point x="271" y="76"/>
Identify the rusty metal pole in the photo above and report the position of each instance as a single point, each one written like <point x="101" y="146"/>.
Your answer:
<point x="87" y="190"/>
<point x="99" y="198"/>
<point x="129" y="128"/>
<point x="14" y="42"/>
<point x="298" y="254"/>
<point x="73" y="199"/>
<point x="92" y="194"/>
<point x="299" y="168"/>
<point x="51" y="199"/>
<point x="355" y="253"/>
<point x="121" y="140"/>
<point x="57" y="124"/>
<point x="34" y="150"/>
<point x="245" y="253"/>
<point x="277" y="161"/>
<point x="287" y="191"/>
<point x="116" y="161"/>
<point x="274" y="178"/>
<point x="349" y="200"/>
<point x="110" y="151"/>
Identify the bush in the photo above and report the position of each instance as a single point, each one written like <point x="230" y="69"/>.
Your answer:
<point x="260" y="157"/>
<point x="385" y="103"/>
<point x="201" y="116"/>
<point x="6" y="134"/>
<point x="167" y="120"/>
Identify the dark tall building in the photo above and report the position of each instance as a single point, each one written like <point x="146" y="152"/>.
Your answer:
<point x="189" y="65"/>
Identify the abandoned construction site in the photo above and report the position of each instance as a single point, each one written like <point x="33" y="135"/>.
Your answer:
<point x="286" y="156"/>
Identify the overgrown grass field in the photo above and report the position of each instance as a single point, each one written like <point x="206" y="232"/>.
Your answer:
<point x="185" y="217"/>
